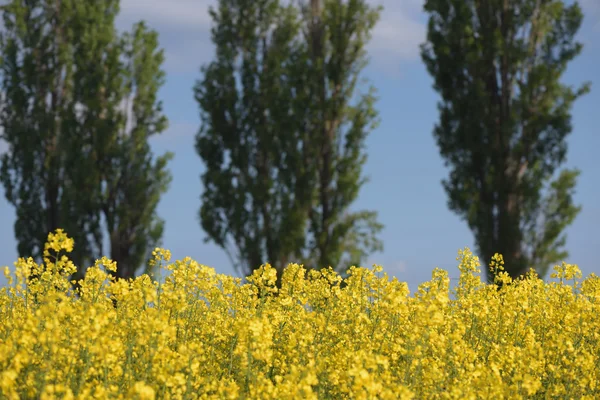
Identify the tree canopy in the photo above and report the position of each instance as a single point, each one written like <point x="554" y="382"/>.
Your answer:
<point x="281" y="135"/>
<point x="504" y="118"/>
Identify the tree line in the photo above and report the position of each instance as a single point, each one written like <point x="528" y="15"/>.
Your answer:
<point x="283" y="129"/>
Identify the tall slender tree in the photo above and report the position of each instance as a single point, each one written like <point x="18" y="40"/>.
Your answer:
<point x="134" y="182"/>
<point x="504" y="117"/>
<point x="92" y="117"/>
<point x="38" y="43"/>
<point x="65" y="77"/>
<point x="256" y="187"/>
<point x="270" y="173"/>
<point x="336" y="33"/>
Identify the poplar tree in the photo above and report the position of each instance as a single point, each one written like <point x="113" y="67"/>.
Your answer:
<point x="65" y="78"/>
<point x="38" y="45"/>
<point x="256" y="187"/>
<point x="336" y="125"/>
<point x="504" y="118"/>
<point x="282" y="143"/>
<point x="134" y="181"/>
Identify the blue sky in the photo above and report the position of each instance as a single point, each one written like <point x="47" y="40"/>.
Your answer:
<point x="404" y="164"/>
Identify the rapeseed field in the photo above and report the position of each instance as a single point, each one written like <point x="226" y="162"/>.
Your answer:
<point x="203" y="335"/>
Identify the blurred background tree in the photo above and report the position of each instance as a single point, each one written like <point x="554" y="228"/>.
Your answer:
<point x="282" y="142"/>
<point x="504" y="117"/>
<point x="134" y="182"/>
<point x="71" y="88"/>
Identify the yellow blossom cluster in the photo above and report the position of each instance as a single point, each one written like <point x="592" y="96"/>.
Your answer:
<point x="203" y="335"/>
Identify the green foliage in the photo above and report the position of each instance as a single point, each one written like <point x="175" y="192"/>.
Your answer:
<point x="334" y="55"/>
<point x="250" y="196"/>
<point x="134" y="182"/>
<point x="282" y="144"/>
<point x="42" y="81"/>
<point x="504" y="117"/>
<point x="68" y="82"/>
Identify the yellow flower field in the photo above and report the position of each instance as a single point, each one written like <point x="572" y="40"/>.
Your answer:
<point x="202" y="335"/>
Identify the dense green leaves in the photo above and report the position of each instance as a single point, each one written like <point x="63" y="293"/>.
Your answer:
<point x="282" y="143"/>
<point x="336" y="34"/>
<point x="284" y="125"/>
<point x="79" y="103"/>
<point x="41" y="87"/>
<point x="504" y="117"/>
<point x="134" y="183"/>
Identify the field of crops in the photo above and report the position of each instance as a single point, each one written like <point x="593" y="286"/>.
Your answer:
<point x="205" y="335"/>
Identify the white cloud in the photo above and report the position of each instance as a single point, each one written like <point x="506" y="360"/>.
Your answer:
<point x="399" y="32"/>
<point x="184" y="31"/>
<point x="171" y="14"/>
<point x="183" y="27"/>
